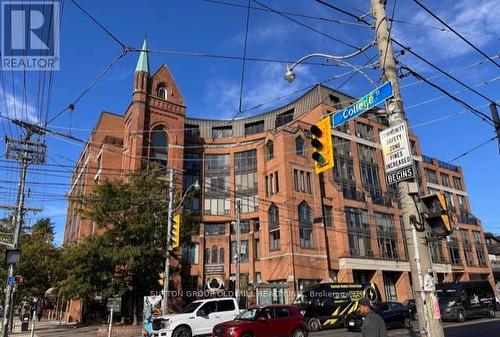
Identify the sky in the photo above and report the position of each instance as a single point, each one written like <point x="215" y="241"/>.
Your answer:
<point x="183" y="34"/>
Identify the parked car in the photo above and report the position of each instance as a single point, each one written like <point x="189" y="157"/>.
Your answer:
<point x="267" y="321"/>
<point x="325" y="305"/>
<point x="462" y="300"/>
<point x="394" y="314"/>
<point x="197" y="318"/>
<point x="412" y="306"/>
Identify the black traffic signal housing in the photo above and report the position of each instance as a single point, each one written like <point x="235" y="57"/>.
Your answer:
<point x="322" y="144"/>
<point x="436" y="214"/>
<point x="175" y="234"/>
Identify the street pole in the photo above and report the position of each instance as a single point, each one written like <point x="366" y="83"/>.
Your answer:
<point x="420" y="262"/>
<point x="169" y="237"/>
<point x="496" y="120"/>
<point x="238" y="250"/>
<point x="17" y="234"/>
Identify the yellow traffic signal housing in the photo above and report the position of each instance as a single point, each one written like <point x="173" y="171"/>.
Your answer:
<point x="322" y="144"/>
<point x="175" y="235"/>
<point x="436" y="214"/>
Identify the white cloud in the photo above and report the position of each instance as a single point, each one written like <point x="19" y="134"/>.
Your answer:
<point x="16" y="109"/>
<point x="475" y="20"/>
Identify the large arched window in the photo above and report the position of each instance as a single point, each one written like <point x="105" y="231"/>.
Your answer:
<point x="162" y="92"/>
<point x="269" y="149"/>
<point x="159" y="146"/>
<point x="221" y="256"/>
<point x="274" y="227"/>
<point x="299" y="146"/>
<point x="215" y="254"/>
<point x="304" y="214"/>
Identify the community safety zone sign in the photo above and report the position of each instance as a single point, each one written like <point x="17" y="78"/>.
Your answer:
<point x="398" y="162"/>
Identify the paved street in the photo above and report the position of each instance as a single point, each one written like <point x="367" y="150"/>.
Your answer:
<point x="478" y="328"/>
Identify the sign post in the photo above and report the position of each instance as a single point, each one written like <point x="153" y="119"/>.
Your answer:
<point x="398" y="162"/>
<point x="114" y="304"/>
<point x="365" y="103"/>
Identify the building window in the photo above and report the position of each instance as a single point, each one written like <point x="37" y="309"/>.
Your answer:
<point x="305" y="225"/>
<point x="221" y="255"/>
<point x="222" y="131"/>
<point x="284" y="118"/>
<point x="192" y="172"/>
<point x="272" y="184"/>
<point x="190" y="254"/>
<point x="302" y="181"/>
<point x="461" y="203"/>
<point x="207" y="255"/>
<point x="253" y="128"/>
<point x="258" y="277"/>
<point x="215" y="228"/>
<point x="358" y="229"/>
<point x="481" y="257"/>
<point x="453" y="249"/>
<point x="159" y="146"/>
<point x="300" y="149"/>
<point x="274" y="228"/>
<point x="458" y="183"/>
<point x="387" y="237"/>
<point x="390" y="279"/>
<point x="215" y="255"/>
<point x="269" y="150"/>
<point x="243" y="250"/>
<point x="431" y="176"/>
<point x="257" y="249"/>
<point x="216" y="185"/>
<point x="99" y="162"/>
<point x="246" y="180"/>
<point x="162" y="92"/>
<point x="445" y="179"/>
<point x="436" y="248"/>
<point x="328" y="211"/>
<point x="364" y="131"/>
<point x="191" y="131"/>
<point x="369" y="172"/>
<point x="467" y="247"/>
<point x="343" y="128"/>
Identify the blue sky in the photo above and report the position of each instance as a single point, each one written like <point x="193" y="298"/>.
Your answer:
<point x="211" y="86"/>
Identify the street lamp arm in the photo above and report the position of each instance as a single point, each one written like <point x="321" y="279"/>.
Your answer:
<point x="195" y="186"/>
<point x="357" y="69"/>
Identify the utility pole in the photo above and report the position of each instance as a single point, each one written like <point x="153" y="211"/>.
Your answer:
<point x="169" y="237"/>
<point x="238" y="251"/>
<point x="496" y="120"/>
<point x="420" y="262"/>
<point x="27" y="151"/>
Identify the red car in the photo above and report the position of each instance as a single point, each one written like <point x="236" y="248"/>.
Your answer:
<point x="267" y="321"/>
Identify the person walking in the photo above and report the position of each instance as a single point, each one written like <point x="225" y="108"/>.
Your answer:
<point x="373" y="324"/>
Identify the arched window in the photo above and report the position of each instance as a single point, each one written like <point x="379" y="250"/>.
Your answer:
<point x="162" y="92"/>
<point x="159" y="146"/>
<point x="215" y="254"/>
<point x="269" y="149"/>
<point x="207" y="255"/>
<point x="299" y="146"/>
<point x="304" y="214"/>
<point x="274" y="227"/>
<point x="221" y="256"/>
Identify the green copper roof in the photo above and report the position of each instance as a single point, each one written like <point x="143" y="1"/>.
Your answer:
<point x="143" y="62"/>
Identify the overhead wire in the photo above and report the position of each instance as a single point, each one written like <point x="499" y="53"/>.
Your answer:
<point x="473" y="149"/>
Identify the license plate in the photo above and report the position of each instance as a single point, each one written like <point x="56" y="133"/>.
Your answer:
<point x="351" y="323"/>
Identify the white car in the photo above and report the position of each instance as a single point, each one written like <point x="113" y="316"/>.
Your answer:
<point x="197" y="318"/>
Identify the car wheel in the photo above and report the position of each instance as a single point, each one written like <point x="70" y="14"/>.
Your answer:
<point x="408" y="323"/>
<point x="314" y="324"/>
<point x="299" y="333"/>
<point x="461" y="316"/>
<point x="491" y="311"/>
<point x="182" y="331"/>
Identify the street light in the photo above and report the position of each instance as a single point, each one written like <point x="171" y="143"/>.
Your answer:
<point x="195" y="186"/>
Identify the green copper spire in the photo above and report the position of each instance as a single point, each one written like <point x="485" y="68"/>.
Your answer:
<point x="143" y="62"/>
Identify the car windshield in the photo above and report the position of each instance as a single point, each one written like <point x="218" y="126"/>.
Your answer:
<point x="444" y="294"/>
<point x="249" y="314"/>
<point x="191" y="307"/>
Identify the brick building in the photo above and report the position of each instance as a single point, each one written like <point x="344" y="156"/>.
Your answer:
<point x="297" y="227"/>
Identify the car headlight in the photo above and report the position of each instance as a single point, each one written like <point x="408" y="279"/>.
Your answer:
<point x="165" y="323"/>
<point x="231" y="331"/>
<point x="451" y="303"/>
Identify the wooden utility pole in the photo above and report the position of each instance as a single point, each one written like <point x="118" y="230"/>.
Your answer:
<point x="420" y="261"/>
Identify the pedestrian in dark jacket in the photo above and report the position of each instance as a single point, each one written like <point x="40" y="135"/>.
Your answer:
<point x="373" y="324"/>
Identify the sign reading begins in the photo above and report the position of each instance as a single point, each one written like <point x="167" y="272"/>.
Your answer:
<point x="396" y="150"/>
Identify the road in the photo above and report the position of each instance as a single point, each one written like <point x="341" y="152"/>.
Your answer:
<point x="478" y="328"/>
<point x="67" y="331"/>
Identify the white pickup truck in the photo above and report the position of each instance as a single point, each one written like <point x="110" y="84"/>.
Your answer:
<point x="197" y="318"/>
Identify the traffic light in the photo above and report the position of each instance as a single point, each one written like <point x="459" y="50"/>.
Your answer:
<point x="436" y="214"/>
<point x="322" y="144"/>
<point x="175" y="234"/>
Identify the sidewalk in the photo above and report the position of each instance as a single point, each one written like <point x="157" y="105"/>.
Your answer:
<point x="42" y="325"/>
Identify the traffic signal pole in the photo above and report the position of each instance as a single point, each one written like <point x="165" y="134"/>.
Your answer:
<point x="169" y="237"/>
<point x="419" y="258"/>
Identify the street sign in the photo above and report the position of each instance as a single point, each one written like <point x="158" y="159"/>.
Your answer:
<point x="398" y="162"/>
<point x="114" y="304"/>
<point x="11" y="280"/>
<point x="367" y="102"/>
